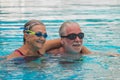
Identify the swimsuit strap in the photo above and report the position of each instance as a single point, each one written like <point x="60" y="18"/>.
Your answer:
<point x="24" y="55"/>
<point x="19" y="52"/>
<point x="39" y="53"/>
<point x="81" y="51"/>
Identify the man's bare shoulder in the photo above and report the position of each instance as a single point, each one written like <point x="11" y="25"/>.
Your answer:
<point x="85" y="50"/>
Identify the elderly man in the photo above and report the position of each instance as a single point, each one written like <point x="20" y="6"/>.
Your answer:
<point x="72" y="42"/>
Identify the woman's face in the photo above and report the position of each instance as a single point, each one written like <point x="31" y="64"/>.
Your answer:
<point x="37" y="41"/>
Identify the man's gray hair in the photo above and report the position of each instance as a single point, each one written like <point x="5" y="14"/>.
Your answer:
<point x="63" y="27"/>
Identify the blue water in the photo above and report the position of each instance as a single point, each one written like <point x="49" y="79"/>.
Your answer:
<point x="99" y="21"/>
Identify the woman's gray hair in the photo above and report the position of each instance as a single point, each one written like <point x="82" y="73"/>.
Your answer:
<point x="31" y="23"/>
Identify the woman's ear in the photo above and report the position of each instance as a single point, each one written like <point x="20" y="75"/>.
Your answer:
<point x="26" y="36"/>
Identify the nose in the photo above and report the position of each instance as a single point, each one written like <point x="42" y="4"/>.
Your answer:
<point x="77" y="38"/>
<point x="42" y="38"/>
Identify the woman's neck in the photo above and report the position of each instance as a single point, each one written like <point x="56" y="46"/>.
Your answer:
<point x="29" y="50"/>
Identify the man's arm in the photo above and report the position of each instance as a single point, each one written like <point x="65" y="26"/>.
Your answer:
<point x="50" y="44"/>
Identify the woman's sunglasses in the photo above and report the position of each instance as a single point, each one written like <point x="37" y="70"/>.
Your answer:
<point x="73" y="36"/>
<point x="38" y="34"/>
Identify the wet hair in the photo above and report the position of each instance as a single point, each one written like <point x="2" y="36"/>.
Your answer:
<point x="63" y="27"/>
<point x="30" y="24"/>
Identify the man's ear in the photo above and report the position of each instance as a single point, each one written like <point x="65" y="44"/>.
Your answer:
<point x="62" y="41"/>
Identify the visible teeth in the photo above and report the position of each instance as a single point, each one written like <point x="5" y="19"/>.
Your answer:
<point x="76" y="44"/>
<point x="39" y="41"/>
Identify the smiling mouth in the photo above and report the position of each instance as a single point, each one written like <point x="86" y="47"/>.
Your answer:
<point x="77" y="44"/>
<point x="40" y="41"/>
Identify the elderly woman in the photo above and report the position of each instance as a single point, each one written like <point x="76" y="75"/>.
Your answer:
<point x="35" y="43"/>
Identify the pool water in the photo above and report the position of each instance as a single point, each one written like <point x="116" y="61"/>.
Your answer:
<point x="99" y="21"/>
<point x="92" y="67"/>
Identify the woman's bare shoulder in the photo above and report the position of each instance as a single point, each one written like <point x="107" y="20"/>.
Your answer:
<point x="15" y="54"/>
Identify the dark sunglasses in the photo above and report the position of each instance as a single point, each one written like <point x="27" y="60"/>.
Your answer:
<point x="38" y="34"/>
<point x="73" y="36"/>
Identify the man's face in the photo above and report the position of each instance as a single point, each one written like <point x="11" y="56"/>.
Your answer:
<point x="72" y="45"/>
